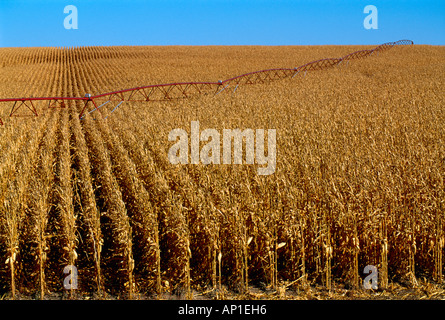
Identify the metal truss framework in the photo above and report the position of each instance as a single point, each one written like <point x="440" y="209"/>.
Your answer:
<point x="26" y="107"/>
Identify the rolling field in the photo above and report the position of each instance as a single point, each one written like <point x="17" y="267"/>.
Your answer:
<point x="359" y="179"/>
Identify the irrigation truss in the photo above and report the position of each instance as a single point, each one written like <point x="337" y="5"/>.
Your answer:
<point x="181" y="90"/>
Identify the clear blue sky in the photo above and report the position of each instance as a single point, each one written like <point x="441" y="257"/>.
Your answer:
<point x="219" y="22"/>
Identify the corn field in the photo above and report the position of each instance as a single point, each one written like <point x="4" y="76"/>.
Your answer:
<point x="359" y="180"/>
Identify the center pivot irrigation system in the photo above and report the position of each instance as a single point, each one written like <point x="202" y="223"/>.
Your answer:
<point x="180" y="90"/>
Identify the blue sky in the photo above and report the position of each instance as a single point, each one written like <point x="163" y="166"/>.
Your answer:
<point x="26" y="23"/>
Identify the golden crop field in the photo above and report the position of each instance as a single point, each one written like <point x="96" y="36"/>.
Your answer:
<point x="359" y="179"/>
